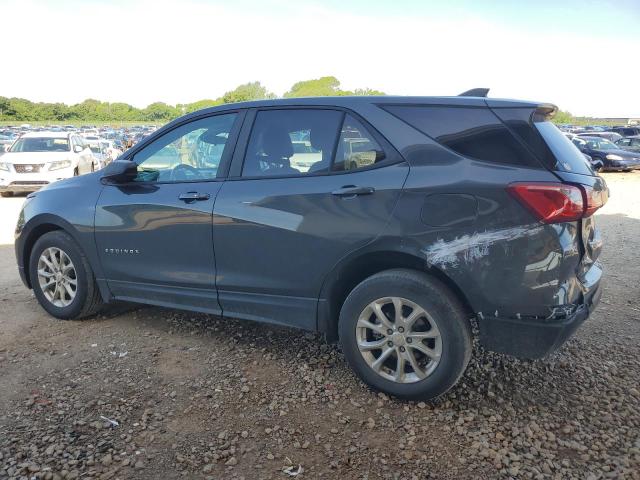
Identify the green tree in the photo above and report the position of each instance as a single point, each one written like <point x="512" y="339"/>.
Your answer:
<point x="563" y="117"/>
<point x="320" y="87"/>
<point x="367" y="91"/>
<point x="159" y="112"/>
<point x="325" y="87"/>
<point x="199" y="105"/>
<point x="247" y="92"/>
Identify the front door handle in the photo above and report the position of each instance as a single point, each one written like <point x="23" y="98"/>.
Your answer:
<point x="352" y="191"/>
<point x="194" y="196"/>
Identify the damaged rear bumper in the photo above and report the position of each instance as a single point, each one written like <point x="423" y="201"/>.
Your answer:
<point x="535" y="338"/>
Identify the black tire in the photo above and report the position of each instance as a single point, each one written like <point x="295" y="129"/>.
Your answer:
<point x="76" y="172"/>
<point x="87" y="300"/>
<point x="6" y="194"/>
<point x="441" y="305"/>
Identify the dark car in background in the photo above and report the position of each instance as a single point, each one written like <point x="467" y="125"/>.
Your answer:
<point x="627" y="131"/>
<point x="611" y="155"/>
<point x="416" y="215"/>
<point x="611" y="136"/>
<point x="629" y="143"/>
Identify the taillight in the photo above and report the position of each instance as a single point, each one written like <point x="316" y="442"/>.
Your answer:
<point x="594" y="199"/>
<point x="551" y="202"/>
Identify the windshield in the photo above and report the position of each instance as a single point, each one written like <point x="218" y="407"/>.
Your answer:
<point x="95" y="148"/>
<point x="601" y="144"/>
<point x="44" y="144"/>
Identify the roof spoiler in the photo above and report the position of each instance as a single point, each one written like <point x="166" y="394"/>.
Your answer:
<point x="475" y="92"/>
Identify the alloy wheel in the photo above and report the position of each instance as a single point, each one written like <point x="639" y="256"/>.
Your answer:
<point x="399" y="340"/>
<point x="57" y="277"/>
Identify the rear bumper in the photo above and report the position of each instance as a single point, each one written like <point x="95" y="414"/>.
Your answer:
<point x="532" y="339"/>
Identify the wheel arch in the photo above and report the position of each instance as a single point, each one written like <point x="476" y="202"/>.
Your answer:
<point x="350" y="272"/>
<point x="36" y="228"/>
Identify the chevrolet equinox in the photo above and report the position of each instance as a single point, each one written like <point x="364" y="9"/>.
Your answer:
<point x="389" y="224"/>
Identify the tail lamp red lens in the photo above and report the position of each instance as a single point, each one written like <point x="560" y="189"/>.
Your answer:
<point x="558" y="202"/>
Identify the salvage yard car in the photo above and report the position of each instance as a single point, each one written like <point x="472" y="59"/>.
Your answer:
<point x="612" y="156"/>
<point x="466" y="209"/>
<point x="37" y="159"/>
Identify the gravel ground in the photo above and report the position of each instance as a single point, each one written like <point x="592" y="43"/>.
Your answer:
<point x="153" y="393"/>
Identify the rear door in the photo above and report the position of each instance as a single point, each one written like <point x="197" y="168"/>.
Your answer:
<point x="282" y="222"/>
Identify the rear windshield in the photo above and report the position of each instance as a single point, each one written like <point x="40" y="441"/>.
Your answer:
<point x="41" y="145"/>
<point x="569" y="158"/>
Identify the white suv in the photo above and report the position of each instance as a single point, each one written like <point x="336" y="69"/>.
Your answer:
<point x="39" y="158"/>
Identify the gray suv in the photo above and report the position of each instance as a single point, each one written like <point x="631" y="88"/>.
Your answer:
<point x="451" y="210"/>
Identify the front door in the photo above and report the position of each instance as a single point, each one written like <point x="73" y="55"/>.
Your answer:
<point x="154" y="235"/>
<point x="315" y="185"/>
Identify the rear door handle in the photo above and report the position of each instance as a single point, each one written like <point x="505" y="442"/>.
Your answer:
<point x="194" y="196"/>
<point x="352" y="191"/>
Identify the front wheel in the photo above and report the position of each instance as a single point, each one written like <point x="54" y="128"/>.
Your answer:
<point x="404" y="333"/>
<point x="62" y="278"/>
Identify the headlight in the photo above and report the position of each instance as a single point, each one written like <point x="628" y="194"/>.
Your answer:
<point x="4" y="166"/>
<point x="611" y="156"/>
<point x="60" y="164"/>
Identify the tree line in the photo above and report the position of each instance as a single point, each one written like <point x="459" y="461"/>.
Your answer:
<point x="21" y="110"/>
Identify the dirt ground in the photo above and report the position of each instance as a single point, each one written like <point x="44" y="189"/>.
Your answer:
<point x="152" y="393"/>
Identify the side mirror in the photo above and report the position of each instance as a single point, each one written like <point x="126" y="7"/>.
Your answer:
<point x="77" y="148"/>
<point x="120" y="171"/>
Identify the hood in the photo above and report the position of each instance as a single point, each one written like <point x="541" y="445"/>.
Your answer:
<point x="34" y="157"/>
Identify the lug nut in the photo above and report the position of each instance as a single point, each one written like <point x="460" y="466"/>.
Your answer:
<point x="389" y="332"/>
<point x="409" y="340"/>
<point x="390" y="344"/>
<point x="402" y="349"/>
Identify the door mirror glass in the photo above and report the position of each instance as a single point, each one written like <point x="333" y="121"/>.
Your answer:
<point x="77" y="148"/>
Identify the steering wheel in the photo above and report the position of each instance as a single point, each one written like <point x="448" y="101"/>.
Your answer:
<point x="184" y="171"/>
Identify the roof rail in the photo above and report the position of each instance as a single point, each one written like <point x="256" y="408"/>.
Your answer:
<point x="475" y="92"/>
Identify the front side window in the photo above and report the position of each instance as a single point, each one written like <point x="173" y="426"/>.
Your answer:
<point x="291" y="142"/>
<point x="356" y="148"/>
<point x="44" y="144"/>
<point x="190" y="152"/>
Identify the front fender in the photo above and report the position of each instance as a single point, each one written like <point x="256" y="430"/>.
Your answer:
<point x="67" y="205"/>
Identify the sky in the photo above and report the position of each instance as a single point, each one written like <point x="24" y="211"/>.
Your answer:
<point x="580" y="55"/>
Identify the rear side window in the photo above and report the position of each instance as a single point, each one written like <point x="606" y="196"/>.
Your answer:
<point x="570" y="159"/>
<point x="472" y="132"/>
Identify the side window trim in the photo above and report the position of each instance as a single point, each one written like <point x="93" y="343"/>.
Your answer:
<point x="392" y="156"/>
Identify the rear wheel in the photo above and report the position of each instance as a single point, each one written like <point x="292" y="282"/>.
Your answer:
<point x="62" y="278"/>
<point x="404" y="333"/>
<point x="6" y="194"/>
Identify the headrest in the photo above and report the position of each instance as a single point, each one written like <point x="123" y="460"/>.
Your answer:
<point x="276" y="142"/>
